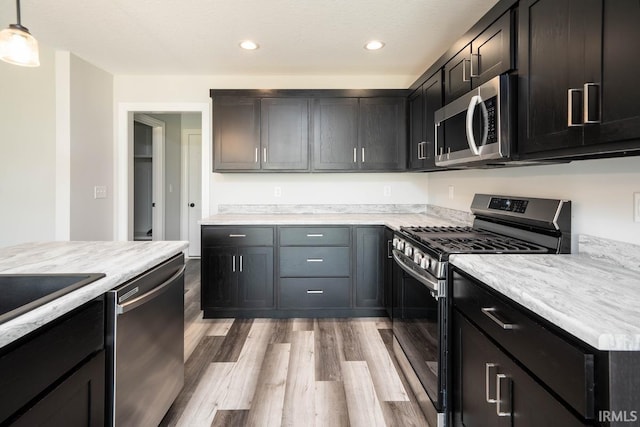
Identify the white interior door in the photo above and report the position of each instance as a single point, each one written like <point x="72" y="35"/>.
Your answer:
<point x="194" y="193"/>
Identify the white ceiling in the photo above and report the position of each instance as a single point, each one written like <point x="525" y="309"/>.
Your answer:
<point x="200" y="37"/>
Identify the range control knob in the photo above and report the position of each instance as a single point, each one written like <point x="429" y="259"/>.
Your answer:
<point x="417" y="257"/>
<point x="395" y="243"/>
<point x="400" y="246"/>
<point x="408" y="250"/>
<point x="424" y="263"/>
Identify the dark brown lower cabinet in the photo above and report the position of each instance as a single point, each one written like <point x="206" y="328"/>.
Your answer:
<point x="370" y="252"/>
<point x="492" y="390"/>
<point x="78" y="401"/>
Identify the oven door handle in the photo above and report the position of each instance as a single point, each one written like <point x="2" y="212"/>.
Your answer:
<point x="433" y="285"/>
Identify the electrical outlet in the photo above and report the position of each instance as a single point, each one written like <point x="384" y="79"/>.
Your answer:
<point x="99" y="192"/>
<point x="277" y="191"/>
<point x="451" y="189"/>
<point x="636" y="207"/>
<point x="387" y="191"/>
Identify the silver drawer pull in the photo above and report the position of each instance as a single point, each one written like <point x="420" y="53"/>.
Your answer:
<point x="310" y="291"/>
<point x="503" y="395"/>
<point x="490" y="313"/>
<point x="489" y="374"/>
<point x="315" y="235"/>
<point x="237" y="235"/>
<point x="315" y="260"/>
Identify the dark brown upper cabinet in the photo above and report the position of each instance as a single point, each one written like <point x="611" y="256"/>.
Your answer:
<point x="335" y="133"/>
<point x="382" y="134"/>
<point x="488" y="55"/>
<point x="284" y="136"/>
<point x="576" y="102"/>
<point x="423" y="103"/>
<point x="236" y="133"/>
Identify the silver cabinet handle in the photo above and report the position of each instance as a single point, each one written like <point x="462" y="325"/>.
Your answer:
<point x="311" y="291"/>
<point x="233" y="267"/>
<point x="490" y="370"/>
<point x="237" y="235"/>
<point x="256" y="154"/>
<point x="240" y="263"/>
<point x="585" y="93"/>
<point x="477" y="55"/>
<point x="264" y="154"/>
<point x="464" y="70"/>
<point x="503" y="387"/>
<point x="355" y="154"/>
<point x="315" y="260"/>
<point x="362" y="154"/>
<point x="570" y="122"/>
<point x="315" y="235"/>
<point x="435" y="135"/>
<point x="490" y="313"/>
<point x="389" y="248"/>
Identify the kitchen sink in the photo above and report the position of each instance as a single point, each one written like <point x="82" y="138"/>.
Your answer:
<point x="20" y="293"/>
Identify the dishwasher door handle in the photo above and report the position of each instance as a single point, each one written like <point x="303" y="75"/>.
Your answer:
<point x="147" y="296"/>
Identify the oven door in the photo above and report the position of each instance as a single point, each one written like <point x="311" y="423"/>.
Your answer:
<point x="476" y="128"/>
<point x="419" y="319"/>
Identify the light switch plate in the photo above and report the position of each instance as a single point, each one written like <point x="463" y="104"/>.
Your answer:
<point x="636" y="207"/>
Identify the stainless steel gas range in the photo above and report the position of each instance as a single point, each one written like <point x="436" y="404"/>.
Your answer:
<point x="420" y="308"/>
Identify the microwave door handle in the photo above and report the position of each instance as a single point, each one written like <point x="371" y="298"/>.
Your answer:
<point x="471" y="141"/>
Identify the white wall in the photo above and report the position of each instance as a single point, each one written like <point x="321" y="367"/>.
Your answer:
<point x="601" y="191"/>
<point x="27" y="151"/>
<point x="91" y="163"/>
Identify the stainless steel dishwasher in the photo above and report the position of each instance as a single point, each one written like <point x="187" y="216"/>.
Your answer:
<point x="145" y="345"/>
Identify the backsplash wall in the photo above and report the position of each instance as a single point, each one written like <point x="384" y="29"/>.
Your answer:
<point x="601" y="191"/>
<point x="322" y="188"/>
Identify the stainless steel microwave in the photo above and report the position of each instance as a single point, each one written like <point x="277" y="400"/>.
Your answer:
<point x="478" y="127"/>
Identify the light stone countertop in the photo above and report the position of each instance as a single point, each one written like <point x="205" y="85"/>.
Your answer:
<point x="391" y="220"/>
<point x="596" y="301"/>
<point x="120" y="261"/>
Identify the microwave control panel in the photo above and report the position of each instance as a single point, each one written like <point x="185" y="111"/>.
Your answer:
<point x="492" y="120"/>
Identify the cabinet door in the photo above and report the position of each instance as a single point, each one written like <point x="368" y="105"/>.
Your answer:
<point x="417" y="128"/>
<point x="433" y="102"/>
<point x="255" y="277"/>
<point x="370" y="259"/>
<point x="550" y="90"/>
<point x="78" y="401"/>
<point x="335" y="133"/>
<point x="284" y="133"/>
<point x="492" y="51"/>
<point x="457" y="75"/>
<point x="219" y="277"/>
<point x="388" y="271"/>
<point x="477" y="364"/>
<point x="620" y="108"/>
<point x="236" y="133"/>
<point x="382" y="134"/>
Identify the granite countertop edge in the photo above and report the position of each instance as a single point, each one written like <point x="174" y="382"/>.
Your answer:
<point x="592" y="300"/>
<point x="130" y="260"/>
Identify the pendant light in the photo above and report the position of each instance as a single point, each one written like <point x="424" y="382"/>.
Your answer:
<point x="17" y="45"/>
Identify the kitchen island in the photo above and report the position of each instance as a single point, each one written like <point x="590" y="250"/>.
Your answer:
<point x="119" y="261"/>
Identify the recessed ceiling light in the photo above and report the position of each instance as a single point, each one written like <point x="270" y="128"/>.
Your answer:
<point x="374" y="45"/>
<point x="249" y="45"/>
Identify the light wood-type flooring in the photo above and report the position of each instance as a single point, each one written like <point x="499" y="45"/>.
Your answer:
<point x="289" y="372"/>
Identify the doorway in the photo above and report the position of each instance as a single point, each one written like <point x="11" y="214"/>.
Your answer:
<point x="124" y="203"/>
<point x="148" y="178"/>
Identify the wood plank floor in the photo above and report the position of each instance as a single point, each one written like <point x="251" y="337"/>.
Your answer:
<point x="289" y="372"/>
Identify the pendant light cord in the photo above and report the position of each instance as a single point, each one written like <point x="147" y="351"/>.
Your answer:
<point x="18" y="12"/>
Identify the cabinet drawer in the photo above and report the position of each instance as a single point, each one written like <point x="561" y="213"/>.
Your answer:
<point x="237" y="236"/>
<point x="314" y="293"/>
<point x="567" y="369"/>
<point x="315" y="262"/>
<point x="314" y="236"/>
